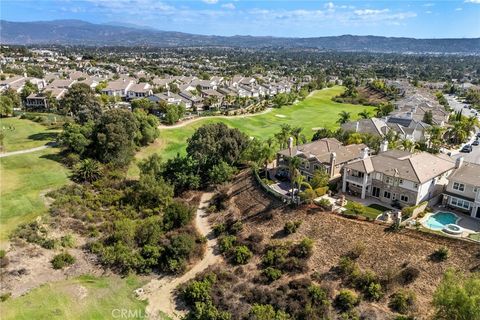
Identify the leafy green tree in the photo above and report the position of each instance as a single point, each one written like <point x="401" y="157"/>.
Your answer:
<point x="27" y="90"/>
<point x="457" y="297"/>
<point x="147" y="127"/>
<point x="173" y="113"/>
<point x="6" y="106"/>
<point x="76" y="137"/>
<point x="221" y="172"/>
<point x="142" y="103"/>
<point x="182" y="173"/>
<point x="153" y="192"/>
<point x="176" y="215"/>
<point x="14" y="97"/>
<point x="213" y="143"/>
<point x="80" y="101"/>
<point x="114" y="137"/>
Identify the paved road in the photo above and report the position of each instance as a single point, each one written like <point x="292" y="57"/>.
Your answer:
<point x="459" y="106"/>
<point x="13" y="153"/>
<point x="473" y="156"/>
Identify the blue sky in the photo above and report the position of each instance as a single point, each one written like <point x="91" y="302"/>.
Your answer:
<point x="419" y="19"/>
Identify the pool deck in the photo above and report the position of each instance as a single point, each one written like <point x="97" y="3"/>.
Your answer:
<point x="469" y="225"/>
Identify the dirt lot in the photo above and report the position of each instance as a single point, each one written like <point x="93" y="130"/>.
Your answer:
<point x="29" y="267"/>
<point x="385" y="251"/>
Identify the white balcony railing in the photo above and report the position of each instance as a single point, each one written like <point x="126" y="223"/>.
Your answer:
<point x="358" y="180"/>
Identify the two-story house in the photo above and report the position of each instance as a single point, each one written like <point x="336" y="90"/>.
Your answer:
<point x="396" y="175"/>
<point x="139" y="90"/>
<point x="328" y="154"/>
<point x="463" y="189"/>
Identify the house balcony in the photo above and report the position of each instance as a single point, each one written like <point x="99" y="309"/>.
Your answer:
<point x="358" y="180"/>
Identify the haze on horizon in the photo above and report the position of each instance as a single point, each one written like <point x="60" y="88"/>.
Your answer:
<point x="416" y="19"/>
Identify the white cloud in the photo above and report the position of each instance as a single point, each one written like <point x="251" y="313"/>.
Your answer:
<point x="370" y="12"/>
<point x="458" y="9"/>
<point x="429" y="4"/>
<point x="472" y="1"/>
<point x="428" y="12"/>
<point x="230" y="6"/>
<point x="329" y="5"/>
<point x="210" y="1"/>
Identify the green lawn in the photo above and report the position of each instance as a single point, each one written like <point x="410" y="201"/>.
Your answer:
<point x="372" y="211"/>
<point x="23" y="178"/>
<point x="85" y="297"/>
<point x="314" y="112"/>
<point x="475" y="236"/>
<point x="24" y="134"/>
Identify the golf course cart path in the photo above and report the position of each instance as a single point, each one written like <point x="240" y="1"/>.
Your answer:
<point x="160" y="292"/>
<point x="13" y="153"/>
<point x="187" y="122"/>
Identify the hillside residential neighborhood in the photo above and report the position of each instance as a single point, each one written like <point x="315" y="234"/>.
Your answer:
<point x="239" y="160"/>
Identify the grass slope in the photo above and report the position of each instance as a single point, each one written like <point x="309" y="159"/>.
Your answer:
<point x="23" y="134"/>
<point x="316" y="111"/>
<point x="85" y="297"/>
<point x="23" y="178"/>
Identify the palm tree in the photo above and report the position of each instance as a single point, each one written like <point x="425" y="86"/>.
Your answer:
<point x="344" y="117"/>
<point x="268" y="153"/>
<point x="296" y="134"/>
<point x="293" y="165"/>
<point x="408" y="145"/>
<point x="364" y="114"/>
<point x="458" y="132"/>
<point x="470" y="123"/>
<point x="88" y="170"/>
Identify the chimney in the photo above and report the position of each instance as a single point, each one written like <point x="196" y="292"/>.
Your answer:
<point x="383" y="146"/>
<point x="333" y="158"/>
<point x="459" y="162"/>
<point x="357" y="125"/>
<point x="364" y="154"/>
<point x="290" y="145"/>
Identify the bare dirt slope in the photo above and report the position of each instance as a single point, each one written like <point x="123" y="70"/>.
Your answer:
<point x="385" y="251"/>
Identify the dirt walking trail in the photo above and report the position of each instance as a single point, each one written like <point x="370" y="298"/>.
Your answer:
<point x="13" y="153"/>
<point x="160" y="292"/>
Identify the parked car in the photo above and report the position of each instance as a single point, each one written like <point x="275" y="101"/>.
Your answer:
<point x="475" y="143"/>
<point x="467" y="148"/>
<point x="478" y="134"/>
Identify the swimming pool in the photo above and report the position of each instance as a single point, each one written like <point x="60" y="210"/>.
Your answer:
<point x="439" y="220"/>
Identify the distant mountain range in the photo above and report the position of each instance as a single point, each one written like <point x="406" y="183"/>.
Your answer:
<point x="77" y="32"/>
